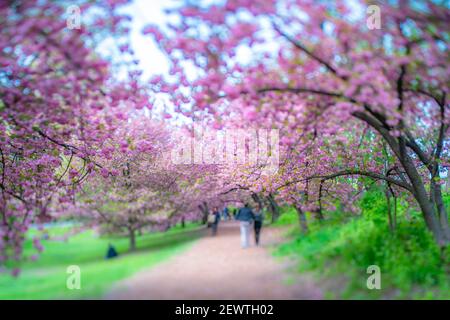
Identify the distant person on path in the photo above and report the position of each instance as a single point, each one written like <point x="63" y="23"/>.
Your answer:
<point x="259" y="218"/>
<point x="234" y="213"/>
<point x="215" y="220"/>
<point x="112" y="253"/>
<point x="245" y="215"/>
<point x="226" y="213"/>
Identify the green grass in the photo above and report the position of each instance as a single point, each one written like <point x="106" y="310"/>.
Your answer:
<point x="46" y="278"/>
<point x="288" y="217"/>
<point x="340" y="250"/>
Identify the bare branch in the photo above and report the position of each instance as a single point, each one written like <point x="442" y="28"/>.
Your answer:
<point x="351" y="172"/>
<point x="301" y="47"/>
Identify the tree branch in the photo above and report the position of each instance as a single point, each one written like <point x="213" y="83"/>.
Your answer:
<point x="308" y="52"/>
<point x="351" y="172"/>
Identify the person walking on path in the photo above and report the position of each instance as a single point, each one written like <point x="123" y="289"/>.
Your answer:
<point x="215" y="220"/>
<point x="259" y="218"/>
<point x="245" y="215"/>
<point x="234" y="213"/>
<point x="225" y="213"/>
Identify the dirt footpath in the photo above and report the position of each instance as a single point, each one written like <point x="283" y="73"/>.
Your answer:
<point x="218" y="268"/>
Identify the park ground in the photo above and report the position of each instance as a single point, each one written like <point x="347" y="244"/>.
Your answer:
<point x="218" y="268"/>
<point x="183" y="263"/>
<point x="46" y="277"/>
<point x="329" y="262"/>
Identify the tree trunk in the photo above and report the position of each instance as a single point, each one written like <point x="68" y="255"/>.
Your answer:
<point x="257" y="199"/>
<point x="389" y="210"/>
<point x="183" y="222"/>
<point x="132" y="237"/>
<point x="395" y="213"/>
<point x="435" y="218"/>
<point x="302" y="220"/>
<point x="205" y="212"/>
<point x="274" y="208"/>
<point x="319" y="212"/>
<point x="426" y="203"/>
<point x="442" y="212"/>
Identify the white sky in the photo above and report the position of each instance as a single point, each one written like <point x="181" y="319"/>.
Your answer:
<point x="144" y="12"/>
<point x="151" y="60"/>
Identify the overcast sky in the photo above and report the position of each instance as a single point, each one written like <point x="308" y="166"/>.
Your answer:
<point x="151" y="60"/>
<point x="143" y="12"/>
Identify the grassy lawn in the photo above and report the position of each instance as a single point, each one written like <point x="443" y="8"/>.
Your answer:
<point x="46" y="277"/>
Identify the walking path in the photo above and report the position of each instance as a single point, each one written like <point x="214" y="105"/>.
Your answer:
<point x="217" y="268"/>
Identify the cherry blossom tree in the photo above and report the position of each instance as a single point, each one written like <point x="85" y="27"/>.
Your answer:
<point x="323" y="57"/>
<point x="58" y="102"/>
<point x="136" y="179"/>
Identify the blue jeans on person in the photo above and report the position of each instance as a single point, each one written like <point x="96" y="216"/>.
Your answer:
<point x="214" y="228"/>
<point x="245" y="233"/>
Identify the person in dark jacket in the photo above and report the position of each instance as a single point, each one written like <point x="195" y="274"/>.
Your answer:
<point x="215" y="224"/>
<point x="257" y="225"/>
<point x="245" y="215"/>
<point x="225" y="213"/>
<point x="111" y="253"/>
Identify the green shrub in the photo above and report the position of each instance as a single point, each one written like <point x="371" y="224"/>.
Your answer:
<point x="288" y="217"/>
<point x="412" y="265"/>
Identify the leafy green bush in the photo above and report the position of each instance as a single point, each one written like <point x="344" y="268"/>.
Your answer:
<point x="288" y="217"/>
<point x="412" y="265"/>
